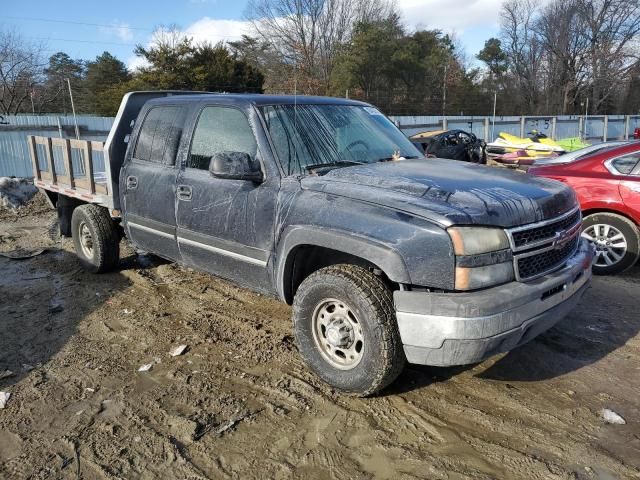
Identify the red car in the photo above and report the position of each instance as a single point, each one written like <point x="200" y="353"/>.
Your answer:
<point x="608" y="188"/>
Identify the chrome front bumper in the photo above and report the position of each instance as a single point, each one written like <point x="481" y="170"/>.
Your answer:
<point x="445" y="329"/>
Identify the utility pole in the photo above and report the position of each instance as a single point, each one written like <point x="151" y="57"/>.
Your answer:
<point x="586" y="117"/>
<point x="493" y="121"/>
<point x="73" y="108"/>
<point x="33" y="108"/>
<point x="444" y="90"/>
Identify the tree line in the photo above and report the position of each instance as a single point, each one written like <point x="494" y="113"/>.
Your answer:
<point x="566" y="57"/>
<point x="555" y="57"/>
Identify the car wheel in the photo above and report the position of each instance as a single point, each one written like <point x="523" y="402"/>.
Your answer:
<point x="346" y="329"/>
<point x="616" y="240"/>
<point x="95" y="238"/>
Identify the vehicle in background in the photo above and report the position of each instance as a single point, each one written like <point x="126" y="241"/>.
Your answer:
<point x="536" y="145"/>
<point x="636" y="133"/>
<point x="324" y="203"/>
<point x="577" y="154"/>
<point x="607" y="183"/>
<point x="451" y="144"/>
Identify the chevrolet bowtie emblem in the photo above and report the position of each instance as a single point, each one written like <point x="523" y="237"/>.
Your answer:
<point x="562" y="237"/>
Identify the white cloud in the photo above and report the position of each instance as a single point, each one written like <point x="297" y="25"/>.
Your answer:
<point x="448" y="15"/>
<point x="215" y="30"/>
<point x="134" y="62"/>
<point x="118" y="29"/>
<point x="204" y="30"/>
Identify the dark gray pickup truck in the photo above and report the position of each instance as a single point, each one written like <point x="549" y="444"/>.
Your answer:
<point x="386" y="256"/>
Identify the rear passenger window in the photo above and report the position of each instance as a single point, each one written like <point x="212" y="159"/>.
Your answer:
<point x="220" y="129"/>
<point x="626" y="164"/>
<point x="160" y="135"/>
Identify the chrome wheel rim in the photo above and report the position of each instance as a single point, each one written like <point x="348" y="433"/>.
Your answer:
<point x="337" y="333"/>
<point x="86" y="240"/>
<point x="609" y="242"/>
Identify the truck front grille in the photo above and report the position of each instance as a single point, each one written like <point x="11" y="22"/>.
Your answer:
<point x="541" y="263"/>
<point x="544" y="247"/>
<point x="524" y="238"/>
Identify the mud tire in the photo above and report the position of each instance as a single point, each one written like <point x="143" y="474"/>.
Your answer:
<point x="383" y="355"/>
<point x="105" y="251"/>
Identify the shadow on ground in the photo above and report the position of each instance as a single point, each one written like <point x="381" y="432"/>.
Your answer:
<point x="605" y="320"/>
<point x="41" y="305"/>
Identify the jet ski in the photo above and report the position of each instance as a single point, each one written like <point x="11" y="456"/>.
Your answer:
<point x="537" y="145"/>
<point x="572" y="144"/>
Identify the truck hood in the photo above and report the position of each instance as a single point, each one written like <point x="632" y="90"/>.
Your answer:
<point x="449" y="192"/>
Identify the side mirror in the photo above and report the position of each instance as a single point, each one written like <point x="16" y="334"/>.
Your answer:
<point x="235" y="166"/>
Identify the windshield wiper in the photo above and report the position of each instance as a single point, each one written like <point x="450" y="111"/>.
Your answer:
<point x="339" y="163"/>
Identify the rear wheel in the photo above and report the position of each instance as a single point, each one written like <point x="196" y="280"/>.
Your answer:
<point x="95" y="238"/>
<point x="616" y="240"/>
<point x="346" y="329"/>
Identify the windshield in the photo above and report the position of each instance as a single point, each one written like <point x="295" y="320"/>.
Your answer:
<point x="307" y="136"/>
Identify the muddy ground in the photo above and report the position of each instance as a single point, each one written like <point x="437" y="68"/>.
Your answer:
<point x="241" y="404"/>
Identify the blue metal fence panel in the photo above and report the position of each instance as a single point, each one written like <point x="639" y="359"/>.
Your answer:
<point x="87" y="122"/>
<point x="14" y="152"/>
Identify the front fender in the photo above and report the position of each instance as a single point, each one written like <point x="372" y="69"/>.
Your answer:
<point x="377" y="253"/>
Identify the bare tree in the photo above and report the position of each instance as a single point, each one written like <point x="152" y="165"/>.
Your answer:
<point x="561" y="30"/>
<point x="309" y="33"/>
<point x="522" y="45"/>
<point x="21" y="67"/>
<point x="612" y="29"/>
<point x="570" y="50"/>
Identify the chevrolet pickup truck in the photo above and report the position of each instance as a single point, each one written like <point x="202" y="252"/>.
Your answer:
<point x="387" y="257"/>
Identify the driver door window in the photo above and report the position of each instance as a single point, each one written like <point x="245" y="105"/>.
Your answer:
<point x="220" y="129"/>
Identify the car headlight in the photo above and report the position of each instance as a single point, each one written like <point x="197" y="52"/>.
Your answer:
<point x="483" y="257"/>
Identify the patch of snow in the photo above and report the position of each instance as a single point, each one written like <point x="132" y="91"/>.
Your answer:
<point x="15" y="192"/>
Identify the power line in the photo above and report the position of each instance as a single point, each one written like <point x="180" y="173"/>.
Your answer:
<point x="113" y="26"/>
<point x="49" y="39"/>
<point x="72" y="22"/>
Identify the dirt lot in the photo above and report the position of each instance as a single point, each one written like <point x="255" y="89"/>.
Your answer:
<point x="241" y="404"/>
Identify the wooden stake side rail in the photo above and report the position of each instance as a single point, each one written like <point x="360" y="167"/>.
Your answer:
<point x="67" y="166"/>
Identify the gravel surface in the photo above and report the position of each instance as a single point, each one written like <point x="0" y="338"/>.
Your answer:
<point x="239" y="403"/>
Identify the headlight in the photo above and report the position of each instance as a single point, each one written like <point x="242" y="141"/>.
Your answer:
<point x="483" y="257"/>
<point x="474" y="240"/>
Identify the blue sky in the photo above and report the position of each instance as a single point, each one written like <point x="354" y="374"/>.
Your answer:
<point x="118" y="25"/>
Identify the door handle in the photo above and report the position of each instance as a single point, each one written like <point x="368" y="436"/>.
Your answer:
<point x="184" y="192"/>
<point x="132" y="183"/>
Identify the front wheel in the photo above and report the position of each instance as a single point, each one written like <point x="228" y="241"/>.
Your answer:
<point x="616" y="240"/>
<point x="346" y="329"/>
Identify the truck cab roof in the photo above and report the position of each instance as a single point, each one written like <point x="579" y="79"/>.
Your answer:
<point x="255" y="99"/>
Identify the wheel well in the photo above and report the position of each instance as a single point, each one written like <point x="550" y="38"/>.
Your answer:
<point x="586" y="213"/>
<point x="306" y="259"/>
<point x="65" y="207"/>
